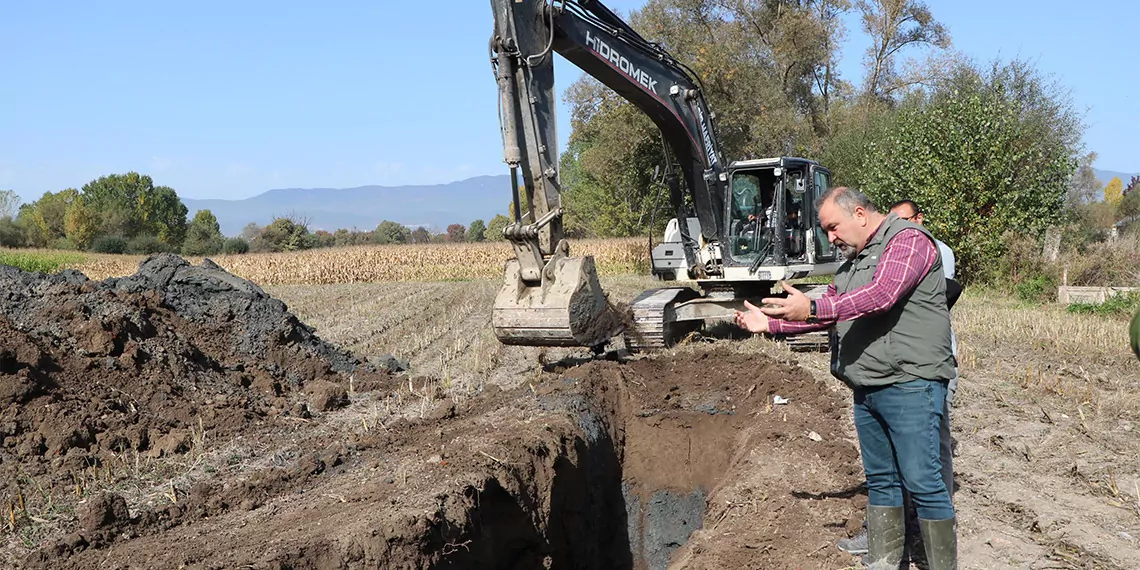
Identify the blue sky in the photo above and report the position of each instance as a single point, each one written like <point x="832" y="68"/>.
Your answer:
<point x="227" y="100"/>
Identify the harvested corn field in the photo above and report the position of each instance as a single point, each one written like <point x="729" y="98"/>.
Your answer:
<point x="385" y="263"/>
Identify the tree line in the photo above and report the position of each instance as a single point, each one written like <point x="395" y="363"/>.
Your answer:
<point x="985" y="147"/>
<point x="292" y="233"/>
<point x="127" y="213"/>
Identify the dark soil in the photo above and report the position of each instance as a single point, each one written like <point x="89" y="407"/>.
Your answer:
<point x="607" y="464"/>
<point x="145" y="365"/>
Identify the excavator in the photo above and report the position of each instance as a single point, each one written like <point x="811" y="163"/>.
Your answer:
<point x="739" y="228"/>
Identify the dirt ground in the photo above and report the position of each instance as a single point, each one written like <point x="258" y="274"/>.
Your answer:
<point x="184" y="418"/>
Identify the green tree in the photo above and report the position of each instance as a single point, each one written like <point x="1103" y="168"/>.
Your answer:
<point x="204" y="235"/>
<point x="1114" y="192"/>
<point x="163" y="214"/>
<point x="989" y="152"/>
<point x="130" y="204"/>
<point x="1130" y="203"/>
<point x="475" y="231"/>
<point x="860" y="128"/>
<point x="324" y="238"/>
<point x="118" y="196"/>
<point x="284" y="234"/>
<point x="768" y="73"/>
<point x="250" y="231"/>
<point x="44" y="220"/>
<point x="11" y="232"/>
<point x="81" y="223"/>
<point x="494" y="231"/>
<point x="389" y="232"/>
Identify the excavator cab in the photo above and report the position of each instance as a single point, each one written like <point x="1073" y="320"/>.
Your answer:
<point x="772" y="218"/>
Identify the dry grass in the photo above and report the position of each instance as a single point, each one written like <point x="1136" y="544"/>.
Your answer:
<point x="1083" y="362"/>
<point x="1001" y="323"/>
<point x="386" y="263"/>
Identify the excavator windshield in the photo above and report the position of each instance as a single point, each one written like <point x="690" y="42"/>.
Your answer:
<point x="752" y="200"/>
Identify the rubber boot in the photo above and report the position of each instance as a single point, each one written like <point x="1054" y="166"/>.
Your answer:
<point x="915" y="552"/>
<point x="886" y="537"/>
<point x="941" y="541"/>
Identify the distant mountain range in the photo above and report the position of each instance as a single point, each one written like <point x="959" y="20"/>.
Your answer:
<point x="1106" y="176"/>
<point x="433" y="206"/>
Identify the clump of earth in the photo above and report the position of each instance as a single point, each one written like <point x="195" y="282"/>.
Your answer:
<point x="141" y="364"/>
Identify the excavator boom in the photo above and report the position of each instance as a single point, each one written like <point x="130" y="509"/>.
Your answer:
<point x="549" y="298"/>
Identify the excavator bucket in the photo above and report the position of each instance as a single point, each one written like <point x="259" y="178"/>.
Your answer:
<point x="567" y="309"/>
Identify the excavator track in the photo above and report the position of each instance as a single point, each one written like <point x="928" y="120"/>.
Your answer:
<point x="649" y="329"/>
<point x="653" y="329"/>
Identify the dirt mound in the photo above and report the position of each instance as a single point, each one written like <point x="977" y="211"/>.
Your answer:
<point x="146" y="365"/>
<point x="603" y="465"/>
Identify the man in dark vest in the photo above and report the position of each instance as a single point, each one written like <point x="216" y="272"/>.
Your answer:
<point x="888" y="305"/>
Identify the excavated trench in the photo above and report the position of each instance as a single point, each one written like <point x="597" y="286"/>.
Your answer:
<point x="630" y="490"/>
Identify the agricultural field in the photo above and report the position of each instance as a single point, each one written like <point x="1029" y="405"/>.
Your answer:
<point x="377" y="263"/>
<point x="484" y="455"/>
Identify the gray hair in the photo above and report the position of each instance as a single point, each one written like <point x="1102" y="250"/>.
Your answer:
<point x="847" y="199"/>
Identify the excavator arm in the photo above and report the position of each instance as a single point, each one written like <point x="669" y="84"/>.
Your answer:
<point x="548" y="297"/>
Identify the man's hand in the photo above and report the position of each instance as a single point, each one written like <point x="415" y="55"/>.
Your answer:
<point x="796" y="307"/>
<point x="752" y="320"/>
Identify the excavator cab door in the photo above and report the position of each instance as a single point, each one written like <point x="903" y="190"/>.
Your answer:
<point x="820" y="182"/>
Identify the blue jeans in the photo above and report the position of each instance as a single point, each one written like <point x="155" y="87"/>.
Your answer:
<point x="898" y="427"/>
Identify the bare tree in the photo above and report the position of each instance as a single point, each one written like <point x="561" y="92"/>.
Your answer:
<point x="894" y="25"/>
<point x="9" y="203"/>
<point x="1084" y="185"/>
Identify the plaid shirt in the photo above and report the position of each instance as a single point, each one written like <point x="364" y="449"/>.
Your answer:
<point x="907" y="258"/>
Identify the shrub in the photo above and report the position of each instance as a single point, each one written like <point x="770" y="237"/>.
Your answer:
<point x="109" y="244"/>
<point x="284" y="234"/>
<point x="1022" y="270"/>
<point x="63" y="243"/>
<point x="1037" y="289"/>
<point x="11" y="233"/>
<point x="1121" y="304"/>
<point x="145" y="244"/>
<point x="235" y="246"/>
<point x="208" y="246"/>
<point x="1105" y="264"/>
